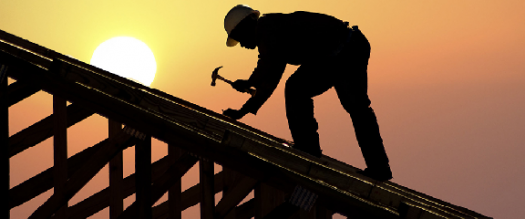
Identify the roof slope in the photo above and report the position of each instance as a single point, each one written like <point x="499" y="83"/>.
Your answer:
<point x="210" y="135"/>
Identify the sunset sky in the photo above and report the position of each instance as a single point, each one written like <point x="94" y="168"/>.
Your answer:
<point x="446" y="79"/>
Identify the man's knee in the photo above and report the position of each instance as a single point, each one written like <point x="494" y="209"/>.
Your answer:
<point x="292" y="90"/>
<point x="357" y="106"/>
<point x="361" y="109"/>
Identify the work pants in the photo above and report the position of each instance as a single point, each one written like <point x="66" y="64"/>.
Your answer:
<point x="347" y="73"/>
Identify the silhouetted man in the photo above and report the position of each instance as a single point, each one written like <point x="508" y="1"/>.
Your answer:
<point x="330" y="54"/>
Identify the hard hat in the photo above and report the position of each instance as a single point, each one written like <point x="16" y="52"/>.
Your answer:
<point x="234" y="17"/>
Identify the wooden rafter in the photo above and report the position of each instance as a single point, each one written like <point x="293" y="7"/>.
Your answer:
<point x="190" y="197"/>
<point x="101" y="200"/>
<point x="234" y="197"/>
<point x="245" y="210"/>
<point x="43" y="129"/>
<point x="84" y="174"/>
<point x="44" y="181"/>
<point x="161" y="185"/>
<point x="20" y="90"/>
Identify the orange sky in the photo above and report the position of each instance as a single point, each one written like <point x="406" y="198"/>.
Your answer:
<point x="446" y="79"/>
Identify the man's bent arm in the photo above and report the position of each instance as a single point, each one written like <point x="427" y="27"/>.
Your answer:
<point x="265" y="79"/>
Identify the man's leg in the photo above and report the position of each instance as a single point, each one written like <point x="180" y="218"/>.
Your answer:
<point x="304" y="84"/>
<point x="351" y="87"/>
<point x="366" y="131"/>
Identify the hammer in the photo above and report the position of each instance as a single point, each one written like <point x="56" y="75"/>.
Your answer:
<point x="215" y="75"/>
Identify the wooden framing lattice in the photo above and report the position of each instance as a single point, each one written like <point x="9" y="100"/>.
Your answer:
<point x="252" y="160"/>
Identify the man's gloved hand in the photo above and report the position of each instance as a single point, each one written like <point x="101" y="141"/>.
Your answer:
<point x="234" y="114"/>
<point x="241" y="85"/>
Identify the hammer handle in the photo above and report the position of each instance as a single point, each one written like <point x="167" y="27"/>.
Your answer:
<point x="224" y="79"/>
<point x="249" y="90"/>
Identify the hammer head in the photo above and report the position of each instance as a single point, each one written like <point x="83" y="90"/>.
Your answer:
<point x="214" y="75"/>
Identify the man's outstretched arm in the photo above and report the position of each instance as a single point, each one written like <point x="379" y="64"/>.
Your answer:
<point x="265" y="79"/>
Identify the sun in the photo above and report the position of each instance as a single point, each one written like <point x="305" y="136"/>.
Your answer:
<point x="127" y="57"/>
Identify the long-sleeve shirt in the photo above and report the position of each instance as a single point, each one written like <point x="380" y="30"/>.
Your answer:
<point x="295" y="38"/>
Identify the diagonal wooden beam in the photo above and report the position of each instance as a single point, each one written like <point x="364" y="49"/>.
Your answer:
<point x="231" y="179"/>
<point x="234" y="197"/>
<point x="245" y="210"/>
<point x="20" y="90"/>
<point x="42" y="182"/>
<point x="190" y="197"/>
<point x="84" y="174"/>
<point x="43" y="129"/>
<point x="177" y="170"/>
<point x="102" y="199"/>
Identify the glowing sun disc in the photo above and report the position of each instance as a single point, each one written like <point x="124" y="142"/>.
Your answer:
<point x="127" y="57"/>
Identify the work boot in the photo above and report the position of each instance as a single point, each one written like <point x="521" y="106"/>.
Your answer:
<point x="316" y="152"/>
<point x="378" y="173"/>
